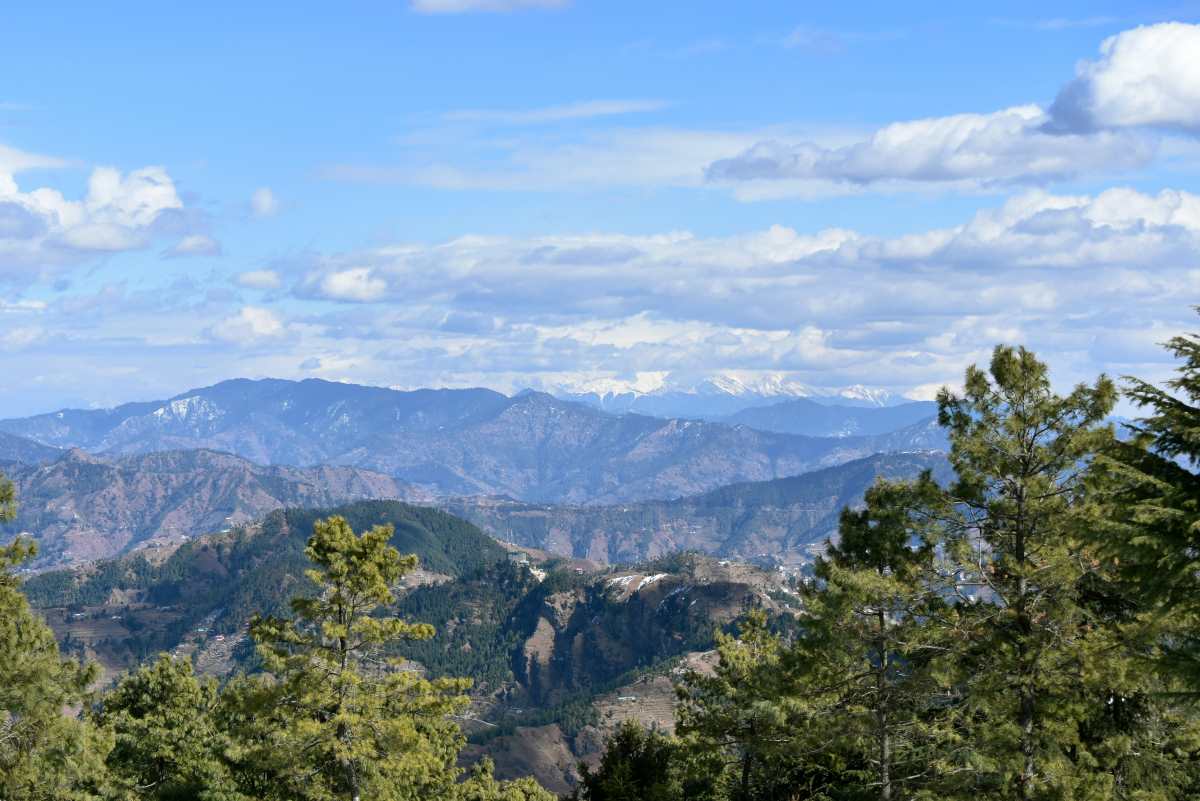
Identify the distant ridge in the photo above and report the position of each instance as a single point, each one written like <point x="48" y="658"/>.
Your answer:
<point x="803" y="416"/>
<point x="22" y="449"/>
<point x="459" y="442"/>
<point x="777" y="520"/>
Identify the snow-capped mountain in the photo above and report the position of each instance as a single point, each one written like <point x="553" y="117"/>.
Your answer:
<point x="712" y="396"/>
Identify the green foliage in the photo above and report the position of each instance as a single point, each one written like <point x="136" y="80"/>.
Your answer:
<point x="1031" y="663"/>
<point x="481" y="785"/>
<point x="471" y="618"/>
<point x="1150" y="528"/>
<point x="641" y="765"/>
<point x="345" y="720"/>
<point x="45" y="755"/>
<point x="8" y="500"/>
<point x="748" y="722"/>
<point x="167" y="745"/>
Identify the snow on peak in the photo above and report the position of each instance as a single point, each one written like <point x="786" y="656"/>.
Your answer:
<point x="876" y="397"/>
<point x="193" y="407"/>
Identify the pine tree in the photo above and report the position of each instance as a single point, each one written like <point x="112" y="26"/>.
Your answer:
<point x="45" y="753"/>
<point x="481" y="785"/>
<point x="1032" y="666"/>
<point x="752" y="718"/>
<point x="343" y="719"/>
<point x="643" y="765"/>
<point x="167" y="746"/>
<point x="871" y="631"/>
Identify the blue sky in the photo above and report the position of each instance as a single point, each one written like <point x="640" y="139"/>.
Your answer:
<point x="590" y="194"/>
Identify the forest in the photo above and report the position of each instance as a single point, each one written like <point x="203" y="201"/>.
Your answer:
<point x="1027" y="630"/>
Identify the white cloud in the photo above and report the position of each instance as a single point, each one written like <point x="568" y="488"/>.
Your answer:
<point x="1101" y="123"/>
<point x="13" y="161"/>
<point x="1062" y="273"/>
<point x="1091" y="282"/>
<point x="1147" y="76"/>
<point x="250" y="324"/>
<point x="356" y="284"/>
<point x="582" y="110"/>
<point x="463" y="6"/>
<point x="967" y="150"/>
<point x="41" y="230"/>
<point x="264" y="203"/>
<point x="194" y="245"/>
<point x="259" y="279"/>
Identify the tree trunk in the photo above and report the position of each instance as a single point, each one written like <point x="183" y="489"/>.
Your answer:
<point x="1027" y="710"/>
<point x="746" y="760"/>
<point x="881" y="715"/>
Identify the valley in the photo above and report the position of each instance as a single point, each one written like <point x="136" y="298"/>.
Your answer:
<point x="559" y="653"/>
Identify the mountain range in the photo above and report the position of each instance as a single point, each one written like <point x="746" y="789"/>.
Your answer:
<point x="782" y="520"/>
<point x="712" y="397"/>
<point x="531" y="447"/>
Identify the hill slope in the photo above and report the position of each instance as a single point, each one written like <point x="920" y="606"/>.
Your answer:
<point x="82" y="507"/>
<point x="778" y="519"/>
<point x="22" y="449"/>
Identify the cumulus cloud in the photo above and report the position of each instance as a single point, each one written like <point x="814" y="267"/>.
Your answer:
<point x="830" y="308"/>
<point x="1148" y="76"/>
<point x="193" y="245"/>
<point x="263" y="202"/>
<point x="251" y="324"/>
<point x="464" y="6"/>
<point x="758" y="279"/>
<point x="356" y="284"/>
<point x="1110" y="118"/>
<point x="41" y="229"/>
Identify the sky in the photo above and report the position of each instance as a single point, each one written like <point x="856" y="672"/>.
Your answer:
<point x="590" y="194"/>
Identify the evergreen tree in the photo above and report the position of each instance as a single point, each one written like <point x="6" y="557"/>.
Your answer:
<point x="871" y="634"/>
<point x="481" y="785"/>
<point x="1036" y="661"/>
<point x="1150" y="528"/>
<point x="751" y="718"/>
<point x="45" y="753"/>
<point x="342" y="719"/>
<point x="167" y="746"/>
<point x="642" y="765"/>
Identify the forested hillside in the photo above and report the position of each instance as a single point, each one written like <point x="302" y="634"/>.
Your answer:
<point x="539" y="652"/>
